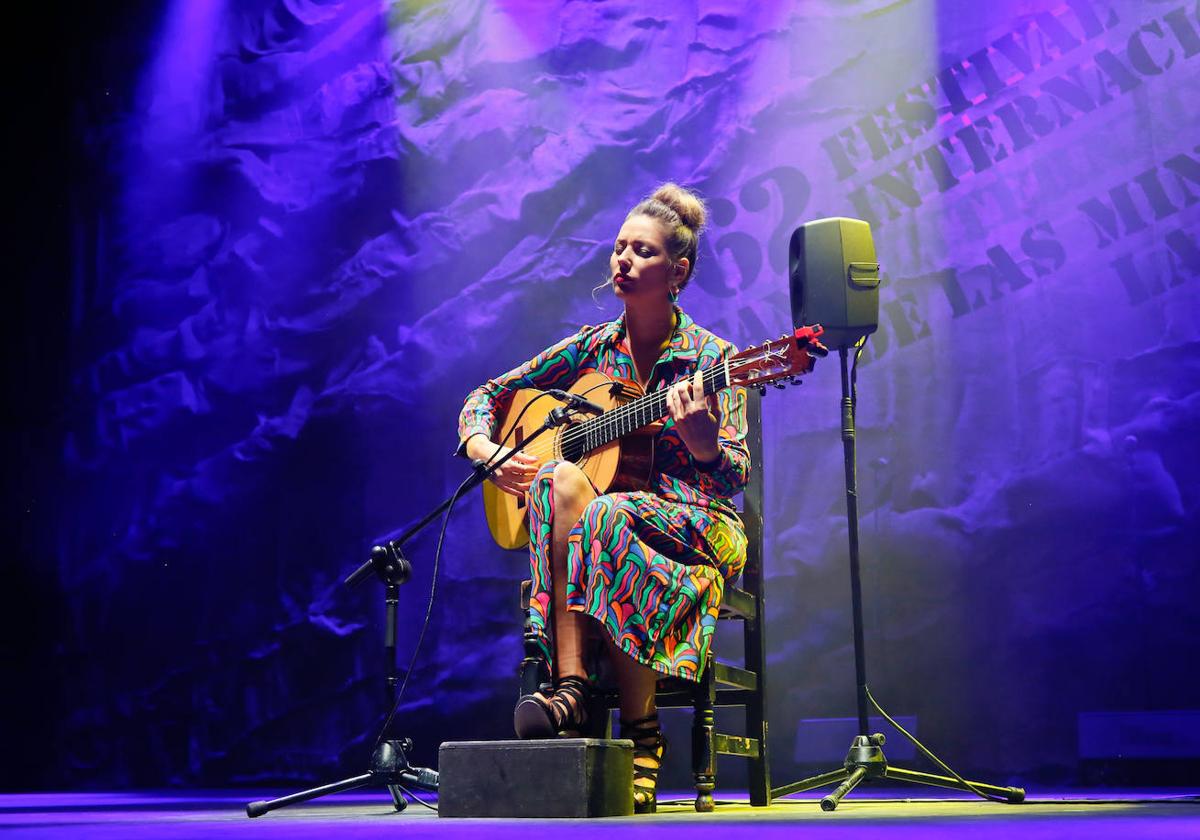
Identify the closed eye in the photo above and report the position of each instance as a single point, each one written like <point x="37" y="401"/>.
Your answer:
<point x="642" y="250"/>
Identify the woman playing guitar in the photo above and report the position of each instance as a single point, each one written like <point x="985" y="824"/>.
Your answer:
<point x="648" y="567"/>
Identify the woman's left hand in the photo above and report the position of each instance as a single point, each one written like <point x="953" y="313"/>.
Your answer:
<point x="695" y="417"/>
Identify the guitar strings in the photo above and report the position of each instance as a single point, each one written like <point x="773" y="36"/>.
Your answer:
<point x="596" y="428"/>
<point x="655" y="401"/>
<point x="612" y="421"/>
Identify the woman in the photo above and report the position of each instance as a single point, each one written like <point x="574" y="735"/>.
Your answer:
<point x="647" y="569"/>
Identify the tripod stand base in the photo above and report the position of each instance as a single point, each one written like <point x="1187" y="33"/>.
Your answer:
<point x="389" y="767"/>
<point x="264" y="806"/>
<point x="866" y="761"/>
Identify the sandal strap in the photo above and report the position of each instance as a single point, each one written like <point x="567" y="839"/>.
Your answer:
<point x="648" y="743"/>
<point x="569" y="701"/>
<point x="651" y="773"/>
<point x="648" y="725"/>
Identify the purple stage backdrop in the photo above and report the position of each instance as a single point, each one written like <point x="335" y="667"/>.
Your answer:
<point x="321" y="224"/>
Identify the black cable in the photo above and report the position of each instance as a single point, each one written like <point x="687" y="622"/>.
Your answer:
<point x="925" y="751"/>
<point x="859" y="346"/>
<point x="417" y="799"/>
<point x="516" y="424"/>
<point x="437" y="555"/>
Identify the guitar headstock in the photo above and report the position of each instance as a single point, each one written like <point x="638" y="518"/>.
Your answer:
<point x="786" y="357"/>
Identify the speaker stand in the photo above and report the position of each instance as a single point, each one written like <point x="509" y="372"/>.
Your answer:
<point x="866" y="760"/>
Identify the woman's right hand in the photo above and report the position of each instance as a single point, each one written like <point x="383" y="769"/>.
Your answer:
<point x="514" y="475"/>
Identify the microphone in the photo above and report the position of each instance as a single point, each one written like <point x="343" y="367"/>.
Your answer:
<point x="577" y="402"/>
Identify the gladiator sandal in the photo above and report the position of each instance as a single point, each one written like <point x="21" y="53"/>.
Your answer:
<point x="649" y="750"/>
<point x="564" y="711"/>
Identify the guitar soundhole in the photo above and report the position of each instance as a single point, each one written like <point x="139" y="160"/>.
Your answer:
<point x="573" y="448"/>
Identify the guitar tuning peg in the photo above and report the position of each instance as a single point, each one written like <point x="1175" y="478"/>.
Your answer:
<point x="762" y="390"/>
<point x="780" y="386"/>
<point x="796" y="381"/>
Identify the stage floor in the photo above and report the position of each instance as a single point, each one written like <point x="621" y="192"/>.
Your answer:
<point x="883" y="812"/>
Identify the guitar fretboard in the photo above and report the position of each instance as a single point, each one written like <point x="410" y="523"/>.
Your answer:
<point x="647" y="409"/>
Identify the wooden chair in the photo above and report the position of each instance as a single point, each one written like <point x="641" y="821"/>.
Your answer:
<point x="721" y="683"/>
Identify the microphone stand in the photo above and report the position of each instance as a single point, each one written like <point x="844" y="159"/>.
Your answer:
<point x="389" y="763"/>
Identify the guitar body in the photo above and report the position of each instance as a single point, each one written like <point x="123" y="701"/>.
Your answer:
<point x="623" y="464"/>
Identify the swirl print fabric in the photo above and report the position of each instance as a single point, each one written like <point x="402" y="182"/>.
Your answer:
<point x="649" y="566"/>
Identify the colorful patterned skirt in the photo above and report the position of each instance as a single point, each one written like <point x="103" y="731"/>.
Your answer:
<point x="650" y="571"/>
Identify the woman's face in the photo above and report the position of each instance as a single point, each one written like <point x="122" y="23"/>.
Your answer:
<point x="640" y="267"/>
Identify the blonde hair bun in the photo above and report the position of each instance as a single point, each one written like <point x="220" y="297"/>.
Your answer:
<point x="683" y="201"/>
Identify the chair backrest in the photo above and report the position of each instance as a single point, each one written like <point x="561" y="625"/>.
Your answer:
<point x="743" y="599"/>
<point x="752" y="496"/>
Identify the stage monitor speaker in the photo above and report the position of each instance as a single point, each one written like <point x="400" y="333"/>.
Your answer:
<point x="835" y="279"/>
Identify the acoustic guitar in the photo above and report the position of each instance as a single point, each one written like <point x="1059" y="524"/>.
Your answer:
<point x="615" y="449"/>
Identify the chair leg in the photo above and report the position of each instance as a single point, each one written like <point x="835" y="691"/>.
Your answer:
<point x="756" y="728"/>
<point x="760" y="771"/>
<point x="704" y="759"/>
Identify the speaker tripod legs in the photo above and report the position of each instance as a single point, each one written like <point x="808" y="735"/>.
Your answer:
<point x="830" y="800"/>
<point x="1014" y="795"/>
<point x="866" y="761"/>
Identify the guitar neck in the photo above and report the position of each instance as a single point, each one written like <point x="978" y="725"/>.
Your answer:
<point x="641" y="412"/>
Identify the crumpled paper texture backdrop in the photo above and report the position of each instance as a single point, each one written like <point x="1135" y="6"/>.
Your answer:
<point x="334" y="219"/>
